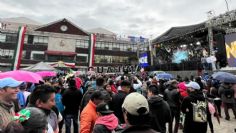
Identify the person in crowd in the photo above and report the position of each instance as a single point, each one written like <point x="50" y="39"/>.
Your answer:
<point x="88" y="115"/>
<point x="196" y="110"/>
<point x="137" y="84"/>
<point x="198" y="79"/>
<point x="43" y="97"/>
<point x="173" y="98"/>
<point x="100" y="83"/>
<point x="107" y="122"/>
<point x="22" y="95"/>
<point x="136" y="114"/>
<point x="107" y="87"/>
<point x="60" y="106"/>
<point x="8" y="93"/>
<point x="159" y="110"/>
<point x="71" y="100"/>
<point x="118" y="99"/>
<point x="113" y="87"/>
<point x="28" y="120"/>
<point x="227" y="96"/>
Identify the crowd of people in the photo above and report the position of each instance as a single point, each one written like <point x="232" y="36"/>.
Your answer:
<point x="114" y="103"/>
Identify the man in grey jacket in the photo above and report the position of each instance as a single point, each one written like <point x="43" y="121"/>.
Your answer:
<point x="227" y="96"/>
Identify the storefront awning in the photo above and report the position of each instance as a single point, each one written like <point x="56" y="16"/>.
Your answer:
<point x="49" y="52"/>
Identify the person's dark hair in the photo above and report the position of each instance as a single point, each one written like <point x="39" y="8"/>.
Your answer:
<point x="111" y="82"/>
<point x="138" y="120"/>
<point x="14" y="127"/>
<point x="99" y="81"/>
<point x="41" y="92"/>
<point x="154" y="89"/>
<point x="125" y="83"/>
<point x="122" y="78"/>
<point x="72" y="84"/>
<point x="97" y="95"/>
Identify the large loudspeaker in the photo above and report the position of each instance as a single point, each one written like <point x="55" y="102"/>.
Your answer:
<point x="219" y="46"/>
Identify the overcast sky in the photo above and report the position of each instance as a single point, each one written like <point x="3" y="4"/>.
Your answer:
<point x="124" y="17"/>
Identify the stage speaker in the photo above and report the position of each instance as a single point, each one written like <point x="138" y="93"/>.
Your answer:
<point x="219" y="47"/>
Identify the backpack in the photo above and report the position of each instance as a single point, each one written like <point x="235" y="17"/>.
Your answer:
<point x="200" y="111"/>
<point x="228" y="93"/>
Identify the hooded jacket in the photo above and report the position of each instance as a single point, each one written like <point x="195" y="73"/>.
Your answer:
<point x="105" y="124"/>
<point x="159" y="112"/>
<point x="88" y="117"/>
<point x="187" y="108"/>
<point x="172" y="96"/>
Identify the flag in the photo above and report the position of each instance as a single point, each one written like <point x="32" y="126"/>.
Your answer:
<point x="19" y="48"/>
<point x="92" y="43"/>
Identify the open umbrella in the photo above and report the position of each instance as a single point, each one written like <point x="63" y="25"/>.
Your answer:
<point x="224" y="77"/>
<point x="47" y="73"/>
<point x="166" y="76"/>
<point x="22" y="76"/>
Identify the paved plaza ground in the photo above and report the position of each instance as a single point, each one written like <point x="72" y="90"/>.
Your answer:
<point x="224" y="126"/>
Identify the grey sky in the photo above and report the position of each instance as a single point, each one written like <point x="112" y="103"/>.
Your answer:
<point x="123" y="17"/>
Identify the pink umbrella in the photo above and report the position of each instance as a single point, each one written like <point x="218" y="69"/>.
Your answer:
<point x="46" y="73"/>
<point x="22" y="76"/>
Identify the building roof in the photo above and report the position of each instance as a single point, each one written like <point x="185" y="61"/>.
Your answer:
<point x="56" y="27"/>
<point x="101" y="31"/>
<point x="21" y="20"/>
<point x="175" y="32"/>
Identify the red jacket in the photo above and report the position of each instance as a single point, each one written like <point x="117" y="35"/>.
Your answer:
<point x="88" y="117"/>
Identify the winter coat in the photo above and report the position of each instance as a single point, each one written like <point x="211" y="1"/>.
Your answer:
<point x="117" y="101"/>
<point x="138" y="129"/>
<point x="88" y="117"/>
<point x="187" y="108"/>
<point x="159" y="112"/>
<point x="226" y="94"/>
<point x="71" y="99"/>
<point x="6" y="114"/>
<point x="106" y="124"/>
<point x="172" y="96"/>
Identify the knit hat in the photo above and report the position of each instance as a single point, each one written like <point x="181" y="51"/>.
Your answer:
<point x="136" y="104"/>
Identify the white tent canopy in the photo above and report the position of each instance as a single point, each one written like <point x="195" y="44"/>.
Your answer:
<point x="41" y="66"/>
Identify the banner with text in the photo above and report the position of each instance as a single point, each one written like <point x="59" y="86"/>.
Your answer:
<point x="230" y="45"/>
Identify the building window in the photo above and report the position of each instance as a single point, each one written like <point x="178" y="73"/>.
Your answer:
<point x="6" y="53"/>
<point x="2" y="37"/>
<point x="11" y="38"/>
<point x="40" y="40"/>
<point x="82" y="43"/>
<point x="37" y="55"/>
<point x="80" y="58"/>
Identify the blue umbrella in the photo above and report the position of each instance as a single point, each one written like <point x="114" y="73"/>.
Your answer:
<point x="224" y="77"/>
<point x="166" y="76"/>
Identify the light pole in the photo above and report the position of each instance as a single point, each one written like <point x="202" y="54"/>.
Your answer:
<point x="210" y="38"/>
<point x="227" y="5"/>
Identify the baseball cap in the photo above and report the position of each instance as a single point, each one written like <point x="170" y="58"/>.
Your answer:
<point x="103" y="108"/>
<point x="136" y="104"/>
<point x="193" y="85"/>
<point x="9" y="82"/>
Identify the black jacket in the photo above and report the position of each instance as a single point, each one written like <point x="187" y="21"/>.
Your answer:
<point x="71" y="100"/>
<point x="172" y="96"/>
<point x="99" y="128"/>
<point x="187" y="108"/>
<point x="160" y="113"/>
<point x="117" y="101"/>
<point x="138" y="129"/>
